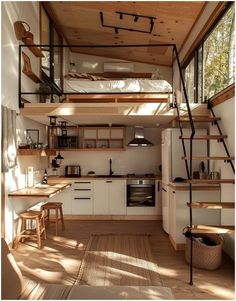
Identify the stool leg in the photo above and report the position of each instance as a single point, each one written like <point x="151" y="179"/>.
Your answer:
<point x="23" y="229"/>
<point x="43" y="229"/>
<point x="18" y="234"/>
<point x="62" y="219"/>
<point x="56" y="221"/>
<point x="38" y="232"/>
<point x="48" y="215"/>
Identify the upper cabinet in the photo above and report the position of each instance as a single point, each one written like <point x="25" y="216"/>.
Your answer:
<point x="87" y="138"/>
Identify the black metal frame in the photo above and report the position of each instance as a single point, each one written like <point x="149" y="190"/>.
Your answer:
<point x="174" y="53"/>
<point x="57" y="90"/>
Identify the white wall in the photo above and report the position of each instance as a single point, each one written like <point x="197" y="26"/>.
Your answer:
<point x="94" y="64"/>
<point x="15" y="178"/>
<point x="226" y="111"/>
<point x="138" y="160"/>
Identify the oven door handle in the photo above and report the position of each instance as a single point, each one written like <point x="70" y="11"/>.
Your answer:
<point x="140" y="185"/>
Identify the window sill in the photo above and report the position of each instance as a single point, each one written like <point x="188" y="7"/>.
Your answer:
<point x="222" y="96"/>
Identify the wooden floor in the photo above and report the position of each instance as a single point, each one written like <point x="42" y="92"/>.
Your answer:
<point x="59" y="259"/>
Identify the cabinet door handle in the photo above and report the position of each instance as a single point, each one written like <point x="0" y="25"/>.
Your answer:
<point x="173" y="191"/>
<point x="108" y="181"/>
<point x="164" y="189"/>
<point x="82" y="198"/>
<point x="158" y="186"/>
<point x="82" y="182"/>
<point x="82" y="189"/>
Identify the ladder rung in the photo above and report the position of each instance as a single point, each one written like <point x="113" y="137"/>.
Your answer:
<point x="199" y="119"/>
<point x="211" y="229"/>
<point x="209" y="158"/>
<point x="205" y="137"/>
<point x="209" y="181"/>
<point x="212" y="205"/>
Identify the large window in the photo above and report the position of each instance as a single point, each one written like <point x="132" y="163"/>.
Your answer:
<point x="212" y="67"/>
<point x="52" y="61"/>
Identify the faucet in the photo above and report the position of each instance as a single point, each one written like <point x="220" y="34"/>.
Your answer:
<point x="110" y="172"/>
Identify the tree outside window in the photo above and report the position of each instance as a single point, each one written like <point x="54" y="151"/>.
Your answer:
<point x="219" y="53"/>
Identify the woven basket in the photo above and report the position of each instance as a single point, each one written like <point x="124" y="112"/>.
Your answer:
<point x="205" y="257"/>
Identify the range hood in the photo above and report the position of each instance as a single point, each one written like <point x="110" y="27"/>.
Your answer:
<point x="139" y="139"/>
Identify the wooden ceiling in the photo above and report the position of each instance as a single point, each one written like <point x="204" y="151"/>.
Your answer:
<point x="80" y="23"/>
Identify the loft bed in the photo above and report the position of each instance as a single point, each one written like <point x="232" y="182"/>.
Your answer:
<point x="101" y="88"/>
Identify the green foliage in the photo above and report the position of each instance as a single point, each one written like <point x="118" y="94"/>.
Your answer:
<point x="219" y="52"/>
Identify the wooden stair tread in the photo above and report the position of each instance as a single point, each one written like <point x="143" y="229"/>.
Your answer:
<point x="209" y="158"/>
<point x="200" y="229"/>
<point x="199" y="119"/>
<point x="209" y="181"/>
<point x="211" y="205"/>
<point x="205" y="137"/>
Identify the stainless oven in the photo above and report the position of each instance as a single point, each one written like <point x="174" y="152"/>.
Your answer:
<point x="141" y="193"/>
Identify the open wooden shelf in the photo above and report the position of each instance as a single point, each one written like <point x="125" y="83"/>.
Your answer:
<point x="32" y="76"/>
<point x="199" y="119"/>
<point x="200" y="229"/>
<point x="212" y="205"/>
<point x="205" y="137"/>
<point x="209" y="158"/>
<point x="35" y="50"/>
<point x="209" y="181"/>
<point x="36" y="152"/>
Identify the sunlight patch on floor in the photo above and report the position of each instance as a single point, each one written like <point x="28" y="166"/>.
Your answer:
<point x="221" y="292"/>
<point x="167" y="272"/>
<point x="127" y="259"/>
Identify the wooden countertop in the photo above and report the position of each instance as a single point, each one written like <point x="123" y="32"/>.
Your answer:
<point x="40" y="190"/>
<point x="62" y="178"/>
<point x="195" y="187"/>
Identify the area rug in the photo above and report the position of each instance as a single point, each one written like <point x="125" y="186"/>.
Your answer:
<point x="118" y="259"/>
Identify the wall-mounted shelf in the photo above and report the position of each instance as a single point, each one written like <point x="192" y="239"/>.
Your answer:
<point x="32" y="76"/>
<point x="35" y="50"/>
<point x="36" y="152"/>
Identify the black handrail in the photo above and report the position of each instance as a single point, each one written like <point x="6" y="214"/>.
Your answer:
<point x="189" y="170"/>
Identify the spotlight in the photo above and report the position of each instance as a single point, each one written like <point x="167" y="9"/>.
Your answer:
<point x="121" y="16"/>
<point x="116" y="30"/>
<point x="136" y="18"/>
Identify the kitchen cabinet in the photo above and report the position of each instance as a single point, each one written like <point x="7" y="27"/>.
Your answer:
<point x="103" y="137"/>
<point x="110" y="197"/>
<point x="179" y="212"/>
<point x="65" y="198"/>
<point x="82" y="197"/>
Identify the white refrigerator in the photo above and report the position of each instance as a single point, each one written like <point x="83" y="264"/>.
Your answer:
<point x="172" y="164"/>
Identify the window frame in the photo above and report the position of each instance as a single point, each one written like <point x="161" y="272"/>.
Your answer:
<point x="194" y="55"/>
<point x="52" y="27"/>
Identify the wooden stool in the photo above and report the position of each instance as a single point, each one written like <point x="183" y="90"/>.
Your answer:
<point x="23" y="232"/>
<point x="57" y="206"/>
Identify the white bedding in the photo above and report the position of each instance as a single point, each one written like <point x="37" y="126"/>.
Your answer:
<point x="117" y="86"/>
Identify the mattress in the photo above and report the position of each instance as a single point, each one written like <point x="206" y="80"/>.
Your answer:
<point x="117" y="86"/>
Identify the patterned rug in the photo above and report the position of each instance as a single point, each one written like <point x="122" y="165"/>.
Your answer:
<point x="118" y="259"/>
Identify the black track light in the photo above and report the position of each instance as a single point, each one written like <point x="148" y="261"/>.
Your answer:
<point x="151" y="24"/>
<point x="121" y="16"/>
<point x="136" y="18"/>
<point x="116" y="30"/>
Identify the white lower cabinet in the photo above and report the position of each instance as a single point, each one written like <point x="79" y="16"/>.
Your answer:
<point x="82" y="197"/>
<point x="65" y="198"/>
<point x="110" y="197"/>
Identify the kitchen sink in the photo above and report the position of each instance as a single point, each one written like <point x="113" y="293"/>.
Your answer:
<point x="108" y="176"/>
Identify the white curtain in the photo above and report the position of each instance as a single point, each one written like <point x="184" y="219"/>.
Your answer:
<point x="8" y="139"/>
